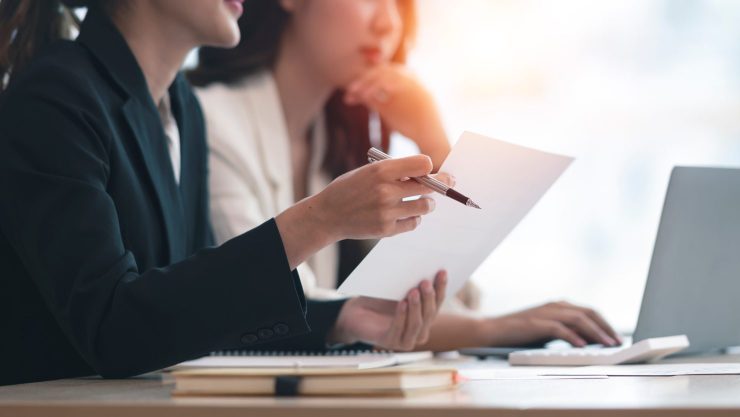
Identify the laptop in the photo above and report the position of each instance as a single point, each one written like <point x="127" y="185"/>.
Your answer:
<point x="693" y="286"/>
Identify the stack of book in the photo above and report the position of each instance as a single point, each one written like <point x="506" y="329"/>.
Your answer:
<point x="390" y="381"/>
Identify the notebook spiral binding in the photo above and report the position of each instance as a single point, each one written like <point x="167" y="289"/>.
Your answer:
<point x="238" y="352"/>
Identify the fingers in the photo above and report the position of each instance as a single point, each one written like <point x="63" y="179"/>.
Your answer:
<point x="414" y="315"/>
<point x="373" y="94"/>
<point x="604" y="325"/>
<point x="406" y="225"/>
<point x="557" y="330"/>
<point x="362" y="83"/>
<point x="401" y="168"/>
<point x="412" y="208"/>
<point x="446" y="178"/>
<point x="409" y="214"/>
<point x="365" y="89"/>
<point x="377" y="94"/>
<point x="585" y="317"/>
<point x="395" y="333"/>
<point x="414" y="321"/>
<point x="440" y="286"/>
<point x="410" y="188"/>
<point x="428" y="310"/>
<point x="585" y="327"/>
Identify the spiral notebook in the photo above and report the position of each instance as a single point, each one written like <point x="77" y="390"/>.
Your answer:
<point x="353" y="359"/>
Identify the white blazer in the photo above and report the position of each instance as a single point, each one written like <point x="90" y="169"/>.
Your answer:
<point x="250" y="176"/>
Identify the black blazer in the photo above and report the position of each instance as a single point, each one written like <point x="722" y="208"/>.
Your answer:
<point x="104" y="265"/>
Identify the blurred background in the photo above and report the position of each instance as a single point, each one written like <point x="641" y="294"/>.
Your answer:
<point x="630" y="88"/>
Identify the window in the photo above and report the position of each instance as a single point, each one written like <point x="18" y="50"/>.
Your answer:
<point x="630" y="88"/>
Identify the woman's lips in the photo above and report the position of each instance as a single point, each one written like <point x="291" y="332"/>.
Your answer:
<point x="372" y="54"/>
<point x="235" y="6"/>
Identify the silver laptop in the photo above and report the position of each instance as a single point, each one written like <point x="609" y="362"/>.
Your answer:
<point x="693" y="286"/>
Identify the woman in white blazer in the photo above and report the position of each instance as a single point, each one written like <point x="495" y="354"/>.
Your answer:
<point x="311" y="86"/>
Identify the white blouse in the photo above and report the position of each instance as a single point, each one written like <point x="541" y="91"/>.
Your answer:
<point x="172" y="133"/>
<point x="250" y="177"/>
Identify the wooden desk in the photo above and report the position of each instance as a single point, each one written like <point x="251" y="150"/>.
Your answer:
<point x="621" y="396"/>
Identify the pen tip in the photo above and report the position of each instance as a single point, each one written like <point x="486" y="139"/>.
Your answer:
<point x="470" y="203"/>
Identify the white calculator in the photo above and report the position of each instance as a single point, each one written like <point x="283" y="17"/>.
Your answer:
<point x="644" y="351"/>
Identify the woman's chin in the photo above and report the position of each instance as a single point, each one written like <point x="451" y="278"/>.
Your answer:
<point x="226" y="39"/>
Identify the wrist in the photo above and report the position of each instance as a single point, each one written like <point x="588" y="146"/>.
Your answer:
<point x="317" y="221"/>
<point x="303" y="231"/>
<point x="432" y="140"/>
<point x="484" y="331"/>
<point x="341" y="333"/>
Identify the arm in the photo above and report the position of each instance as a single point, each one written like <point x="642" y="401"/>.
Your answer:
<point x="62" y="223"/>
<point x="405" y="105"/>
<point x="561" y="320"/>
<point x="455" y="331"/>
<point x="235" y="209"/>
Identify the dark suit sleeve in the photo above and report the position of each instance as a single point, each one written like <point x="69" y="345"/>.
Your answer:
<point x="321" y="316"/>
<point x="63" y="225"/>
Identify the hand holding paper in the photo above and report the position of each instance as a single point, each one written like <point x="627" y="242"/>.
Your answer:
<point x="505" y="179"/>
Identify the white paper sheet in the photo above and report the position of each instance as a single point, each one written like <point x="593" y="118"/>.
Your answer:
<point x="517" y="374"/>
<point x="506" y="180"/>
<point x="661" y="369"/>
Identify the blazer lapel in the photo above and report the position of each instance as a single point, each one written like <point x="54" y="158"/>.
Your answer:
<point x="150" y="141"/>
<point x="318" y="179"/>
<point x="102" y="39"/>
<point x="187" y="128"/>
<point x="272" y="136"/>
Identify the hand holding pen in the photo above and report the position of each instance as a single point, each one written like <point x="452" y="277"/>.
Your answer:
<point x="375" y="154"/>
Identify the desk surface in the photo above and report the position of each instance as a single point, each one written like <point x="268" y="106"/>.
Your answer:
<point x="618" y="396"/>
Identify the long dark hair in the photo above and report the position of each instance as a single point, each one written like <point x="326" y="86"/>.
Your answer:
<point x="28" y="26"/>
<point x="261" y="26"/>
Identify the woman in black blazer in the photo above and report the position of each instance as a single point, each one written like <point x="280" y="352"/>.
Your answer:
<point x="105" y="258"/>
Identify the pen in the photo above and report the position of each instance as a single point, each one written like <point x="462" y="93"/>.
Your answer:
<point x="375" y="154"/>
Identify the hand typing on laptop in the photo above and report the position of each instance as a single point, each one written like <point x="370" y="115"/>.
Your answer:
<point x="576" y="325"/>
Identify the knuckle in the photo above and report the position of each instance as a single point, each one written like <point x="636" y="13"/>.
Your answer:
<point x="385" y="228"/>
<point x="425" y="163"/>
<point x="430" y="205"/>
<point x="533" y="322"/>
<point x="557" y="329"/>
<point x="377" y="168"/>
<point x="447" y="178"/>
<point x="421" y="206"/>
<point x="414" y="223"/>
<point x="580" y="318"/>
<point x="422" y="190"/>
<point x="405" y="227"/>
<point x="385" y="218"/>
<point x="383" y="191"/>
